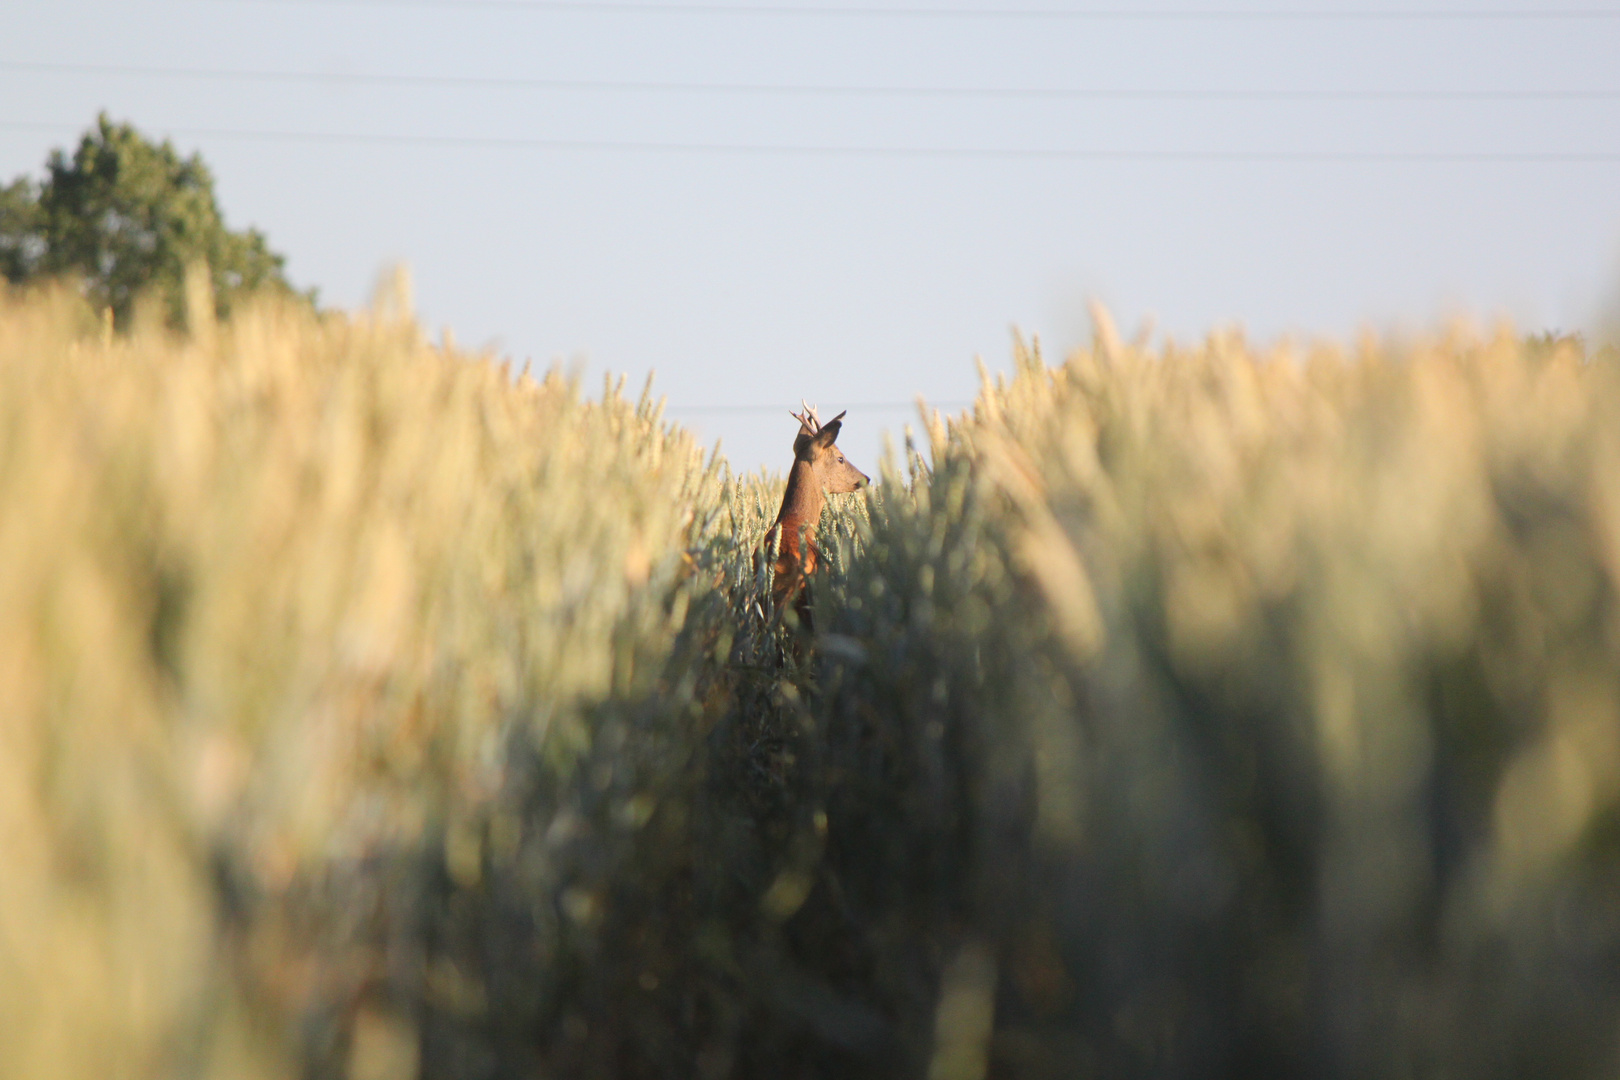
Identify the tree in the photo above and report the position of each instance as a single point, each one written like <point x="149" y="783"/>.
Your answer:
<point x="127" y="217"/>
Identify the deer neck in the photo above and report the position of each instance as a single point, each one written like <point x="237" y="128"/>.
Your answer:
<point x="802" y="503"/>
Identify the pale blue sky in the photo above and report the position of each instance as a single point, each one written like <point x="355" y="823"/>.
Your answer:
<point x="1227" y="167"/>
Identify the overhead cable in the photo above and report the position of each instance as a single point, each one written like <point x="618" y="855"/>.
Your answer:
<point x="496" y="82"/>
<point x="985" y="153"/>
<point x="1100" y="14"/>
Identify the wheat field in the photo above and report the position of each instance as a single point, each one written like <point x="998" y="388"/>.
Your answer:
<point x="369" y="711"/>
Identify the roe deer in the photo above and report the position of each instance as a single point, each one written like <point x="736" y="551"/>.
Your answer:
<point x="819" y="468"/>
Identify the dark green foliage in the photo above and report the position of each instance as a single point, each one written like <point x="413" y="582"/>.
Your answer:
<point x="22" y="239"/>
<point x="128" y="217"/>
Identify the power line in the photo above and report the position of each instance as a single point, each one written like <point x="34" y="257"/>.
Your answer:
<point x="806" y="90"/>
<point x="870" y="406"/>
<point x="965" y="153"/>
<point x="645" y="7"/>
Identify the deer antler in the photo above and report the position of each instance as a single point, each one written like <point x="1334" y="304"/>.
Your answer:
<point x="809" y="418"/>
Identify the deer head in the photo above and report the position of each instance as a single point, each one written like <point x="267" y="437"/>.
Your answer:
<point x="817" y="446"/>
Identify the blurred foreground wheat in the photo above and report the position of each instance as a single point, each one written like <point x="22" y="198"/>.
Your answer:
<point x="365" y="712"/>
<point x="1259" y="713"/>
<point x="271" y="598"/>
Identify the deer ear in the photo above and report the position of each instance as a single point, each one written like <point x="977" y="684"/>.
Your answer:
<point x="829" y="432"/>
<point x="801" y="441"/>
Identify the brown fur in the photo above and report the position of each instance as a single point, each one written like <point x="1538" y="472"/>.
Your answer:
<point x="819" y="469"/>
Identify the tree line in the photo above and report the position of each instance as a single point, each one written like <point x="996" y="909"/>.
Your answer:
<point x="126" y="217"/>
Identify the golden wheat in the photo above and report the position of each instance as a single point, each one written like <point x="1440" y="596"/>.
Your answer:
<point x="282" y="587"/>
<point x="367" y="711"/>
